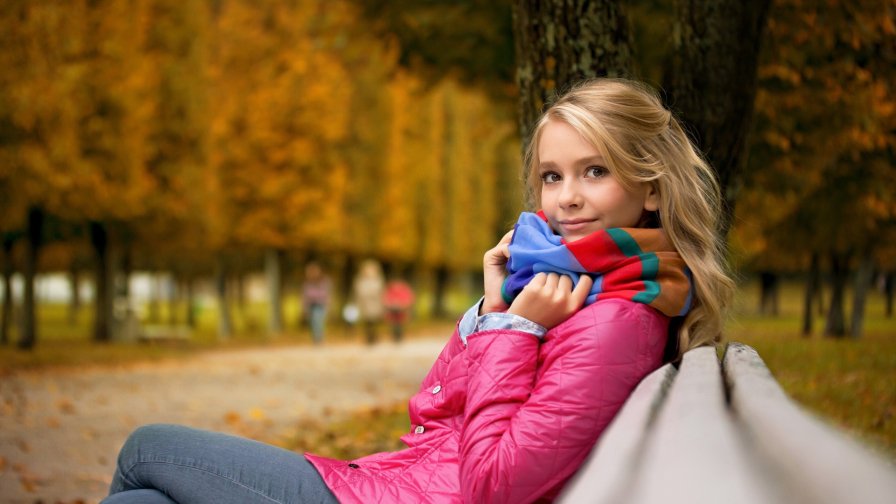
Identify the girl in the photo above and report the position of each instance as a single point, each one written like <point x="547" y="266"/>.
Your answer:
<point x="530" y="379"/>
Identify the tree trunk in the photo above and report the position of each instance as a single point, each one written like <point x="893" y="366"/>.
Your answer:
<point x="155" y="295"/>
<point x="888" y="293"/>
<point x="174" y="295"/>
<point x="6" y="316"/>
<point x="124" y="322"/>
<point x="273" y="269"/>
<point x="99" y="238"/>
<point x="191" y="303"/>
<point x="714" y="81"/>
<point x="238" y="291"/>
<point x="28" y="337"/>
<point x="560" y="42"/>
<point x="812" y="285"/>
<point x="820" y="307"/>
<point x="438" y="298"/>
<point x="863" y="283"/>
<point x="836" y="321"/>
<point x="225" y="324"/>
<point x="74" y="305"/>
<point x="768" y="293"/>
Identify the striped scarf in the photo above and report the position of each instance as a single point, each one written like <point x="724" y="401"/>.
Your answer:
<point x="637" y="264"/>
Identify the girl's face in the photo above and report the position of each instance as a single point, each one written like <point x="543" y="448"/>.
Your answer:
<point x="578" y="193"/>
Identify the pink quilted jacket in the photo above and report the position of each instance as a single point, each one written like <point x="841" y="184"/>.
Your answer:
<point x="510" y="418"/>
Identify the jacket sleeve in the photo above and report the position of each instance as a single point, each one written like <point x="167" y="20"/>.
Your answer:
<point x="526" y="431"/>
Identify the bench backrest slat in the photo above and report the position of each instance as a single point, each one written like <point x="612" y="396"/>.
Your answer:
<point x="606" y="473"/>
<point x="814" y="463"/>
<point x="693" y="452"/>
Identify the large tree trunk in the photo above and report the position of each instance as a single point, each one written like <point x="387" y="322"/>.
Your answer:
<point x="560" y="42"/>
<point x="836" y="321"/>
<point x="225" y="324"/>
<point x="28" y="337"/>
<point x="273" y="271"/>
<point x="714" y="81"/>
<point x="812" y="286"/>
<point x="863" y="282"/>
<point x="102" y="320"/>
<point x="6" y="315"/>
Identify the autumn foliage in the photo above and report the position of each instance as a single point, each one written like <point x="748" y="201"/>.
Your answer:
<point x="189" y="133"/>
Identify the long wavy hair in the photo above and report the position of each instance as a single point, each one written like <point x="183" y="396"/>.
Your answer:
<point x="643" y="142"/>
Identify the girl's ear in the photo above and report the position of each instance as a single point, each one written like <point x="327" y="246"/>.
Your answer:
<point x="652" y="201"/>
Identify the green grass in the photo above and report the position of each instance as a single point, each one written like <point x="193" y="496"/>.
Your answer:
<point x="849" y="382"/>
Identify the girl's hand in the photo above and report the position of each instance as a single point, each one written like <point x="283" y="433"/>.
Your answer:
<point x="494" y="272"/>
<point x="549" y="299"/>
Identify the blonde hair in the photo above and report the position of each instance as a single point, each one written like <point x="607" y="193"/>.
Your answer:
<point x="643" y="142"/>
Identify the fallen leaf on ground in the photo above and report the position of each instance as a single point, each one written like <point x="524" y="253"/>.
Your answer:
<point x="232" y="417"/>
<point x="65" y="406"/>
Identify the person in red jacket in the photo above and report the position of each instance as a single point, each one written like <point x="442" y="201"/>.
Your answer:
<point x="578" y="306"/>
<point x="398" y="299"/>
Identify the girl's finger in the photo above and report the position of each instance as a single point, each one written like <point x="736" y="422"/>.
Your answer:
<point x="507" y="236"/>
<point x="537" y="281"/>
<point x="583" y="288"/>
<point x="551" y="281"/>
<point x="564" y="284"/>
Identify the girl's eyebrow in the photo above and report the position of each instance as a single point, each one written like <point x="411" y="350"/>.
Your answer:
<point x="586" y="161"/>
<point x="592" y="160"/>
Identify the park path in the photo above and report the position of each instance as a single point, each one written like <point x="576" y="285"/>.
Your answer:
<point x="61" y="429"/>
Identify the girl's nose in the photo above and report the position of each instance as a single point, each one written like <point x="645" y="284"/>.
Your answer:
<point x="570" y="195"/>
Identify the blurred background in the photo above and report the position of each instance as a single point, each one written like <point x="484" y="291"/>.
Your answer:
<point x="168" y="168"/>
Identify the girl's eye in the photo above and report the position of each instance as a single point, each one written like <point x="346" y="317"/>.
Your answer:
<point x="596" y="172"/>
<point x="550" y="177"/>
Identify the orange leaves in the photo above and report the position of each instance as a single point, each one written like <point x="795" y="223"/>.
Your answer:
<point x="246" y="124"/>
<point x="824" y="121"/>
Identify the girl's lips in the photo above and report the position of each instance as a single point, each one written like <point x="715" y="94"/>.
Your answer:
<point x="575" y="225"/>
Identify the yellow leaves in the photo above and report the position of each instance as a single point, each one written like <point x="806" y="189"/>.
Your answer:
<point x="267" y="123"/>
<point x="257" y="414"/>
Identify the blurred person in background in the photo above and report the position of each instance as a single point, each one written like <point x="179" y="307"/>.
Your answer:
<point x="367" y="292"/>
<point x="315" y="300"/>
<point x="399" y="300"/>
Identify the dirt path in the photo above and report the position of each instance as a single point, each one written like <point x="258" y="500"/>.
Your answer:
<point x="60" y="430"/>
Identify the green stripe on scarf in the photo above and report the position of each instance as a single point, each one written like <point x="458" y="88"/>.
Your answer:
<point x="650" y="266"/>
<point x="624" y="241"/>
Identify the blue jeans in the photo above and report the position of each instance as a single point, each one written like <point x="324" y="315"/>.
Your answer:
<point x="171" y="464"/>
<point x="317" y="316"/>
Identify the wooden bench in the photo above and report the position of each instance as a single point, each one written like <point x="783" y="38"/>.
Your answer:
<point x="711" y="433"/>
